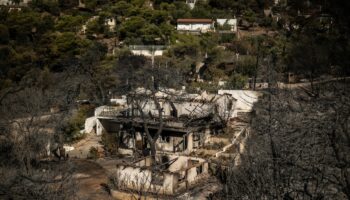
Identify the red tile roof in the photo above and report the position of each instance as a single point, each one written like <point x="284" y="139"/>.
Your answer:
<point x="190" y="21"/>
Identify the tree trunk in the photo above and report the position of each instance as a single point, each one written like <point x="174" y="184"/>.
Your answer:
<point x="153" y="150"/>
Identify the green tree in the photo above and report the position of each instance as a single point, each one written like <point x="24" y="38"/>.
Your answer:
<point x="160" y="17"/>
<point x="150" y="34"/>
<point x="246" y="65"/>
<point x="186" y="45"/>
<point x="181" y="11"/>
<point x="22" y="25"/>
<point x="90" y="4"/>
<point x="167" y="31"/>
<point x="236" y="81"/>
<point x="69" y="23"/>
<point x="201" y="10"/>
<point x="67" y="44"/>
<point x="47" y="5"/>
<point x="131" y="27"/>
<point x="121" y="8"/>
<point x="96" y="26"/>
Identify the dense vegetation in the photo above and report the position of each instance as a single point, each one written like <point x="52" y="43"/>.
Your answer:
<point x="45" y="36"/>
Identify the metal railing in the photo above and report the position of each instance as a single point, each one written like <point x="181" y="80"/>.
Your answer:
<point x="147" y="47"/>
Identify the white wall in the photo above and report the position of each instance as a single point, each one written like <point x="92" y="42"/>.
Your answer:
<point x="191" y="3"/>
<point x="140" y="179"/>
<point x="183" y="108"/>
<point x="99" y="127"/>
<point x="147" y="53"/>
<point x="90" y="123"/>
<point x="165" y="146"/>
<point x="9" y="2"/>
<point x="120" y="101"/>
<point x="245" y="98"/>
<point x="134" y="178"/>
<point x="111" y="23"/>
<point x="203" y="27"/>
<point x="231" y="22"/>
<point x="223" y="103"/>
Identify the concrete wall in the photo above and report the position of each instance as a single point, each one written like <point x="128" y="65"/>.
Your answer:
<point x="105" y="125"/>
<point x="245" y="98"/>
<point x="90" y="124"/>
<point x="139" y="179"/>
<point x="146" y="162"/>
<point x="122" y="101"/>
<point x="167" y="146"/>
<point x="148" y="53"/>
<point x="189" y="143"/>
<point x="136" y="178"/>
<point x="99" y="127"/>
<point x="226" y="106"/>
<point x="186" y="108"/>
<point x="174" y="141"/>
<point x="181" y="163"/>
<point x="191" y="174"/>
<point x="183" y="108"/>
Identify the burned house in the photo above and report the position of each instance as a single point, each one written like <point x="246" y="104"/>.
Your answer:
<point x="183" y="127"/>
<point x="188" y="121"/>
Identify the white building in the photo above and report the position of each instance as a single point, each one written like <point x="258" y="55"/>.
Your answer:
<point x="111" y="23"/>
<point x="195" y="25"/>
<point x="6" y="2"/>
<point x="147" y="50"/>
<point x="11" y="3"/>
<point x="191" y="3"/>
<point x="231" y="22"/>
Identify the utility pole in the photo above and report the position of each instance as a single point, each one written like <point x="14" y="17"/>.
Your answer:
<point x="166" y="69"/>
<point x="152" y="53"/>
<point x="256" y="65"/>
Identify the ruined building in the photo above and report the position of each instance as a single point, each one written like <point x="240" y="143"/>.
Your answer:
<point x="171" y="175"/>
<point x="188" y="121"/>
<point x="189" y="124"/>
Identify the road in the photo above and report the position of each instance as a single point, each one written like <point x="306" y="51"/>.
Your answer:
<point x="90" y="177"/>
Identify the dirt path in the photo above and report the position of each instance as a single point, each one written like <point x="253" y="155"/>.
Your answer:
<point x="89" y="177"/>
<point x="82" y="148"/>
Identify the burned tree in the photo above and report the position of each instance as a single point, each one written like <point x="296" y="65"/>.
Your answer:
<point x="30" y="128"/>
<point x="297" y="148"/>
<point x="138" y="101"/>
<point x="151" y="81"/>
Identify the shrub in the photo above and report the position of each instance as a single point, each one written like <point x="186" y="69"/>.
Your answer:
<point x="93" y="153"/>
<point x="76" y="123"/>
<point x="236" y="81"/>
